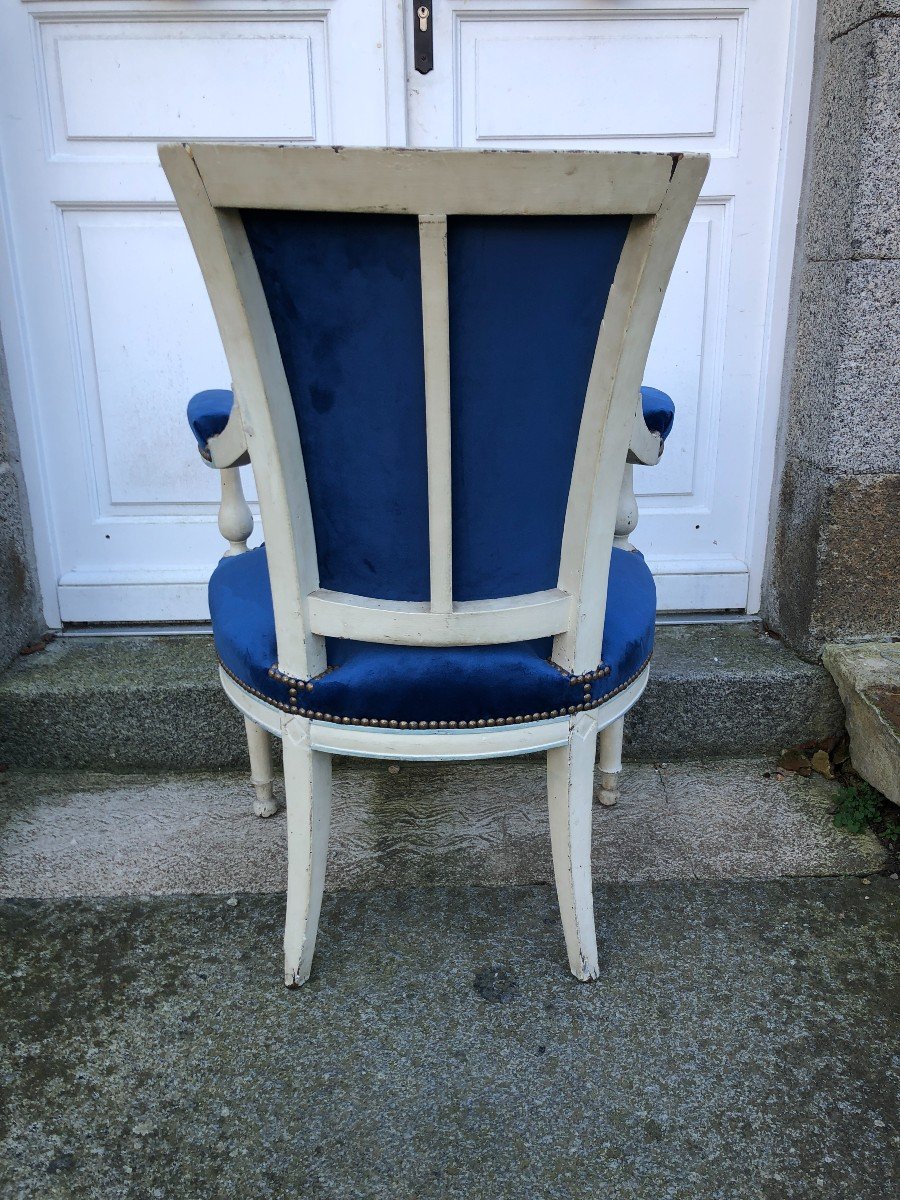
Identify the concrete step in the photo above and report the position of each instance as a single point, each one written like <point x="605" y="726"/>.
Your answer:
<point x="142" y="703"/>
<point x="70" y="834"/>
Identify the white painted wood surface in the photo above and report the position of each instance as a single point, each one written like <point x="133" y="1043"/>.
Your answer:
<point x="259" y="745"/>
<point x="307" y="790"/>
<point x="208" y="182"/>
<point x="570" y="791"/>
<point x="436" y="343"/>
<point x="107" y="327"/>
<point x="414" y="623"/>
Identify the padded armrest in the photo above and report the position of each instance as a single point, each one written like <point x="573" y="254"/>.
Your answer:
<point x="208" y="414"/>
<point x="659" y="411"/>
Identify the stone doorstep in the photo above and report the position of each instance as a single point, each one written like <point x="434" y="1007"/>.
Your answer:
<point x="868" y="679"/>
<point x="91" y="834"/>
<point x="154" y="703"/>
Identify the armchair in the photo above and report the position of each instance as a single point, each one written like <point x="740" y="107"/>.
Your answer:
<point x="436" y="360"/>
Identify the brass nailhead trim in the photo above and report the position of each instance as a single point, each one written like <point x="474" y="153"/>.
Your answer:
<point x="293" y="709"/>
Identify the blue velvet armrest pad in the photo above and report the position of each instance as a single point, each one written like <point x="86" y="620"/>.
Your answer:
<point x="659" y="411"/>
<point x="208" y="414"/>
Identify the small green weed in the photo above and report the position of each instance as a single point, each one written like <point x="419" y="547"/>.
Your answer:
<point x="857" y="807"/>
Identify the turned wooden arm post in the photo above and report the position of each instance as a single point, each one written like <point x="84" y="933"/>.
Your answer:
<point x="227" y="452"/>
<point x="646" y="447"/>
<point x="235" y="517"/>
<point x="626" y="510"/>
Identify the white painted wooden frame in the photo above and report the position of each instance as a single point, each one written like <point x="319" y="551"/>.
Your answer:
<point x="212" y="183"/>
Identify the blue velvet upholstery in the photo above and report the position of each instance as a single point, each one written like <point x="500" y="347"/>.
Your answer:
<point x="659" y="411"/>
<point x="208" y="414"/>
<point x="527" y="296"/>
<point x="345" y="297"/>
<point x="378" y="683"/>
<point x="526" y="299"/>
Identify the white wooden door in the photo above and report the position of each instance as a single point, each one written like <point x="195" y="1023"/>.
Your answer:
<point x="712" y="76"/>
<point x="108" y="328"/>
<point x="114" y="327"/>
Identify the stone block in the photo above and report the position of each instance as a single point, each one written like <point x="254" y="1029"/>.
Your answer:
<point x="835" y="566"/>
<point x="19" y="618"/>
<point x="853" y="187"/>
<point x="790" y="593"/>
<point x="858" y="577"/>
<point x="840" y="16"/>
<point x="845" y="390"/>
<point x="868" y="678"/>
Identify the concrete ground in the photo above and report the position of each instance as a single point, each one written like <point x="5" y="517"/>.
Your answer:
<point x="741" y="1043"/>
<point x="77" y="833"/>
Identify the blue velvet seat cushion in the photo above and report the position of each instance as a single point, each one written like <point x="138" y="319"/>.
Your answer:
<point x="412" y="685"/>
<point x="659" y="411"/>
<point x="208" y="413"/>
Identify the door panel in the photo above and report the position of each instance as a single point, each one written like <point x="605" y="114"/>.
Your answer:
<point x="118" y="325"/>
<point x="116" y="329"/>
<point x="652" y="76"/>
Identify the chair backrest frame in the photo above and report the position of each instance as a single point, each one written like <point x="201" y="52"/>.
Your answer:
<point x="213" y="182"/>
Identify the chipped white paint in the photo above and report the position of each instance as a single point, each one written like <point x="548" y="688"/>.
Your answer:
<point x="610" y="762"/>
<point x="570" y="788"/>
<point x="259" y="743"/>
<point x="211" y="183"/>
<point x="307" y="790"/>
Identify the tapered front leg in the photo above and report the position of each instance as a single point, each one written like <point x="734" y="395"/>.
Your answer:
<point x="570" y="786"/>
<point x="610" y="762"/>
<point x="259" y="743"/>
<point x="307" y="789"/>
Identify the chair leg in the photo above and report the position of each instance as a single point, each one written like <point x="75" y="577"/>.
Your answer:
<point x="610" y="762"/>
<point x="307" y="788"/>
<point x="570" y="778"/>
<point x="259" y="743"/>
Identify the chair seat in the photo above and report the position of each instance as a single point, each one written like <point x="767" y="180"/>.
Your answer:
<point x="415" y="687"/>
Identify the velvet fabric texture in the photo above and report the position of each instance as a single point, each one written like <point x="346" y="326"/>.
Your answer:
<point x="345" y="297"/>
<point x="527" y="296"/>
<point x="659" y="411"/>
<point x="208" y="414"/>
<point x="416" y="684"/>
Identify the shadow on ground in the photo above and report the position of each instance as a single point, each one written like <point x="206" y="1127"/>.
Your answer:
<point x="739" y="1045"/>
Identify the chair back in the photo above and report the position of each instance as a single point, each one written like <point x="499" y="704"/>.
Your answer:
<point x="437" y="359"/>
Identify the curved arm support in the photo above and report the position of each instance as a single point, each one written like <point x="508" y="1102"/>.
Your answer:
<point x="229" y="448"/>
<point x="652" y="424"/>
<point x="216" y="423"/>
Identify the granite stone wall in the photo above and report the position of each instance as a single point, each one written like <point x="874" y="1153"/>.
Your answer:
<point x="834" y="564"/>
<point x="21" y="619"/>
